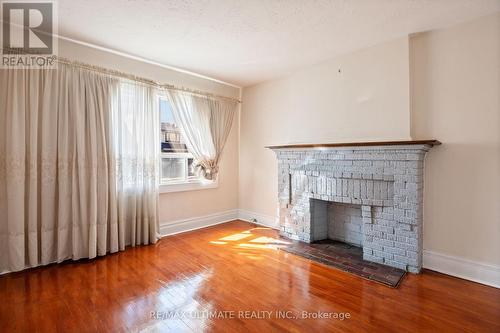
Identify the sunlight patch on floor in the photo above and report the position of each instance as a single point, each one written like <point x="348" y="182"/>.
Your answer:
<point x="235" y="237"/>
<point x="243" y="240"/>
<point x="268" y="240"/>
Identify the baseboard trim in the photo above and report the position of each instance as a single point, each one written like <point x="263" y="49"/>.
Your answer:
<point x="179" y="226"/>
<point x="257" y="218"/>
<point x="483" y="273"/>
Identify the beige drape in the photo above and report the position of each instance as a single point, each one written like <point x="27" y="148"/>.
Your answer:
<point x="206" y="124"/>
<point x="61" y="169"/>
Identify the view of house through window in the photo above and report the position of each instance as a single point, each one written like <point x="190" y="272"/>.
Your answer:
<point x="176" y="161"/>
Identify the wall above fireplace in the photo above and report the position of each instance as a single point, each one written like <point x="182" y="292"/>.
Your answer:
<point x="384" y="178"/>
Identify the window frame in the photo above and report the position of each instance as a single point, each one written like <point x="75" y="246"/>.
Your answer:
<point x="187" y="184"/>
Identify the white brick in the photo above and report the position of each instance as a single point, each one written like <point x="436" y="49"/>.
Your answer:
<point x="388" y="180"/>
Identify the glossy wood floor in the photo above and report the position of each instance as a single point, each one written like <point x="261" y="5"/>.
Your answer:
<point x="222" y="270"/>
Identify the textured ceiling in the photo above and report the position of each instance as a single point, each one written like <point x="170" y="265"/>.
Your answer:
<point x="248" y="41"/>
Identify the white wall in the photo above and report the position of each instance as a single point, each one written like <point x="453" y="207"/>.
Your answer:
<point x="456" y="99"/>
<point x="179" y="205"/>
<point x="367" y="100"/>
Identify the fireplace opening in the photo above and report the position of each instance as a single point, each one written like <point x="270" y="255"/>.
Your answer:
<point x="336" y="221"/>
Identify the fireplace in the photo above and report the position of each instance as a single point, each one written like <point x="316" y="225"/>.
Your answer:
<point x="369" y="195"/>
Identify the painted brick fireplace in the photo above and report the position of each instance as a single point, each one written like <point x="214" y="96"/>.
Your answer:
<point x="365" y="194"/>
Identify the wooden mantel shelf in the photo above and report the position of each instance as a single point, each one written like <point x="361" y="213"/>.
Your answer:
<point x="357" y="144"/>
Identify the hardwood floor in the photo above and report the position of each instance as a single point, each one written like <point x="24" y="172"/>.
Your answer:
<point x="226" y="269"/>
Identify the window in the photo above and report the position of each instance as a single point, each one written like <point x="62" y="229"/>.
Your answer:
<point x="176" y="168"/>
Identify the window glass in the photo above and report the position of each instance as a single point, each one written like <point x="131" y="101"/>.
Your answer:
<point x="173" y="168"/>
<point x="171" y="138"/>
<point x="176" y="161"/>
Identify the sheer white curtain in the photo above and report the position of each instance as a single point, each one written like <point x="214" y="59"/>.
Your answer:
<point x="206" y="124"/>
<point x="63" y="166"/>
<point x="136" y="134"/>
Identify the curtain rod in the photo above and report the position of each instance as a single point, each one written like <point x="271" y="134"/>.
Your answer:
<point x="142" y="80"/>
<point x="132" y="77"/>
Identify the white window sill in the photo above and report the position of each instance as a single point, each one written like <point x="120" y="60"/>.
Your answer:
<point x="188" y="186"/>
